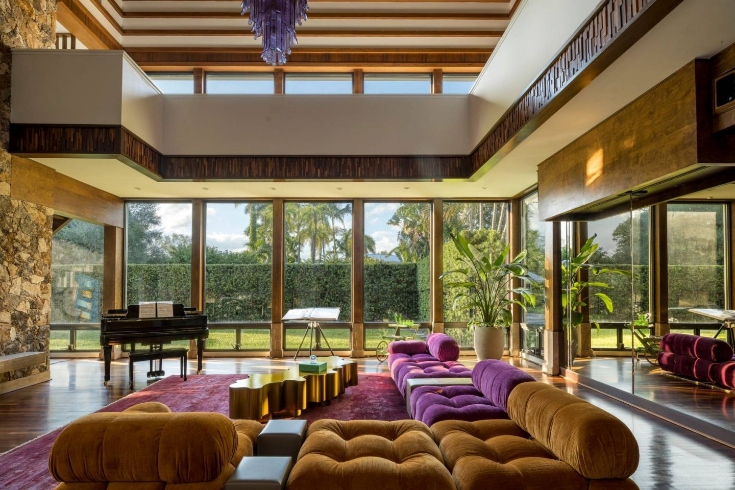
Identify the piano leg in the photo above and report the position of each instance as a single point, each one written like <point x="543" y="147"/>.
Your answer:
<point x="108" y="358"/>
<point x="200" y="351"/>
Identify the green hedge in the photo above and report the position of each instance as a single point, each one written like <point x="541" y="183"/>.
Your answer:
<point x="242" y="292"/>
<point x="391" y="287"/>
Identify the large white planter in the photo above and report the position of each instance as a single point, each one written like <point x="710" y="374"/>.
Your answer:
<point x="489" y="342"/>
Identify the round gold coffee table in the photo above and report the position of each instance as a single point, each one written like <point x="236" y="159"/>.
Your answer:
<point x="263" y="394"/>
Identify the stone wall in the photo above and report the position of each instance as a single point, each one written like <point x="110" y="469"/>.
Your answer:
<point x="25" y="228"/>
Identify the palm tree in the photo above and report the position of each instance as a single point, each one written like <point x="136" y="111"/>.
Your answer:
<point x="337" y="212"/>
<point x="413" y="222"/>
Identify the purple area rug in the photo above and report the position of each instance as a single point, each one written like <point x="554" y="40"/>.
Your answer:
<point x="374" y="398"/>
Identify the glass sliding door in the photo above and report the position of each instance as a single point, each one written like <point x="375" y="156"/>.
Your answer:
<point x="696" y="252"/>
<point x="533" y="242"/>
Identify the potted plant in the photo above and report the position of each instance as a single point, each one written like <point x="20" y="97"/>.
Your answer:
<point x="576" y="295"/>
<point x="484" y="289"/>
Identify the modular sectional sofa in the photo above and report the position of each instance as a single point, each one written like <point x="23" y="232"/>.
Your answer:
<point x="486" y="398"/>
<point x="551" y="440"/>
<point x="149" y="447"/>
<point x="435" y="358"/>
<point x="699" y="358"/>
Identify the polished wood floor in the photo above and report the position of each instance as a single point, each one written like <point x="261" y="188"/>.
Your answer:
<point x="671" y="457"/>
<point x="642" y="379"/>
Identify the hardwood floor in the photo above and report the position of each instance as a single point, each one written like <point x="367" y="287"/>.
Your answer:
<point x="642" y="379"/>
<point x="671" y="457"/>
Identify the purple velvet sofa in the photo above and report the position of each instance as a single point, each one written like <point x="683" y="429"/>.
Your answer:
<point x="699" y="358"/>
<point x="492" y="382"/>
<point x="435" y="358"/>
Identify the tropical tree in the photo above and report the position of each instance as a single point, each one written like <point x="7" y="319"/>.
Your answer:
<point x="259" y="232"/>
<point x="144" y="234"/>
<point x="413" y="221"/>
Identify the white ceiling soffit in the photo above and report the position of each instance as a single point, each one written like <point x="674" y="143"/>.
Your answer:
<point x="117" y="178"/>
<point x="695" y="29"/>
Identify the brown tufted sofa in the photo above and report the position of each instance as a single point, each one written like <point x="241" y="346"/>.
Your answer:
<point x="553" y="440"/>
<point x="369" y="455"/>
<point x="149" y="447"/>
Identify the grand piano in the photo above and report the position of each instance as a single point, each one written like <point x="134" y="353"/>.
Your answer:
<point x="124" y="327"/>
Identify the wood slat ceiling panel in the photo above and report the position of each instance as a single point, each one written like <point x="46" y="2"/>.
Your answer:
<point x="447" y="24"/>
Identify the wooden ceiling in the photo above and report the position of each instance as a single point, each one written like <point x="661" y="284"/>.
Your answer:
<point x="404" y="35"/>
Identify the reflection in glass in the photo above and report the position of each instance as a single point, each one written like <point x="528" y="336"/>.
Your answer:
<point x="77" y="254"/>
<point x="158" y="245"/>
<point x="533" y="242"/>
<point x="696" y="251"/>
<point x="628" y="294"/>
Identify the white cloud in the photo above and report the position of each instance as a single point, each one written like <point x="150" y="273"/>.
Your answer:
<point x="175" y="218"/>
<point x="234" y="242"/>
<point x="385" y="240"/>
<point x="380" y="212"/>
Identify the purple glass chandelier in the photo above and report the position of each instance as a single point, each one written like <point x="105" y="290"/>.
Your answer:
<point x="275" y="21"/>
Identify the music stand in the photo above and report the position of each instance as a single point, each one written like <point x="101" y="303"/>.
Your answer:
<point x="314" y="316"/>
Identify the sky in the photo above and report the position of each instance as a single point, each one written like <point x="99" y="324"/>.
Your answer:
<point x="226" y="224"/>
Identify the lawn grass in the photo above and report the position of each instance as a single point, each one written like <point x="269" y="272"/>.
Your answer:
<point x="338" y="338"/>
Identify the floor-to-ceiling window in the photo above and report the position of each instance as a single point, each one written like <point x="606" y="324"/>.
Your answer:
<point x="76" y="286"/>
<point x="158" y="250"/>
<point x="533" y="242"/>
<point x="318" y="273"/>
<point x="627" y="290"/>
<point x="238" y="275"/>
<point x="484" y="225"/>
<point x="696" y="252"/>
<point x="397" y="266"/>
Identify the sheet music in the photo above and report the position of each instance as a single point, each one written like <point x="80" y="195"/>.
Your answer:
<point x="147" y="309"/>
<point x="314" y="314"/>
<point x="164" y="309"/>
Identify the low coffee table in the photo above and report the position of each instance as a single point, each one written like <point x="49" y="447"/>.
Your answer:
<point x="263" y="394"/>
<point x="412" y="383"/>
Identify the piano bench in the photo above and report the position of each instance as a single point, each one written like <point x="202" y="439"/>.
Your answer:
<point x="158" y="355"/>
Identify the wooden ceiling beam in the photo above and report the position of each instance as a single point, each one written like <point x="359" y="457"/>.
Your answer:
<point x="161" y="14"/>
<point x="82" y="24"/>
<point x="302" y="33"/>
<point x="190" y="57"/>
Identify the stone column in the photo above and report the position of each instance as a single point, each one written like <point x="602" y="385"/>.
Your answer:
<point x="25" y="227"/>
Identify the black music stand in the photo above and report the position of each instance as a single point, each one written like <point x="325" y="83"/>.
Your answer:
<point x="313" y="316"/>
